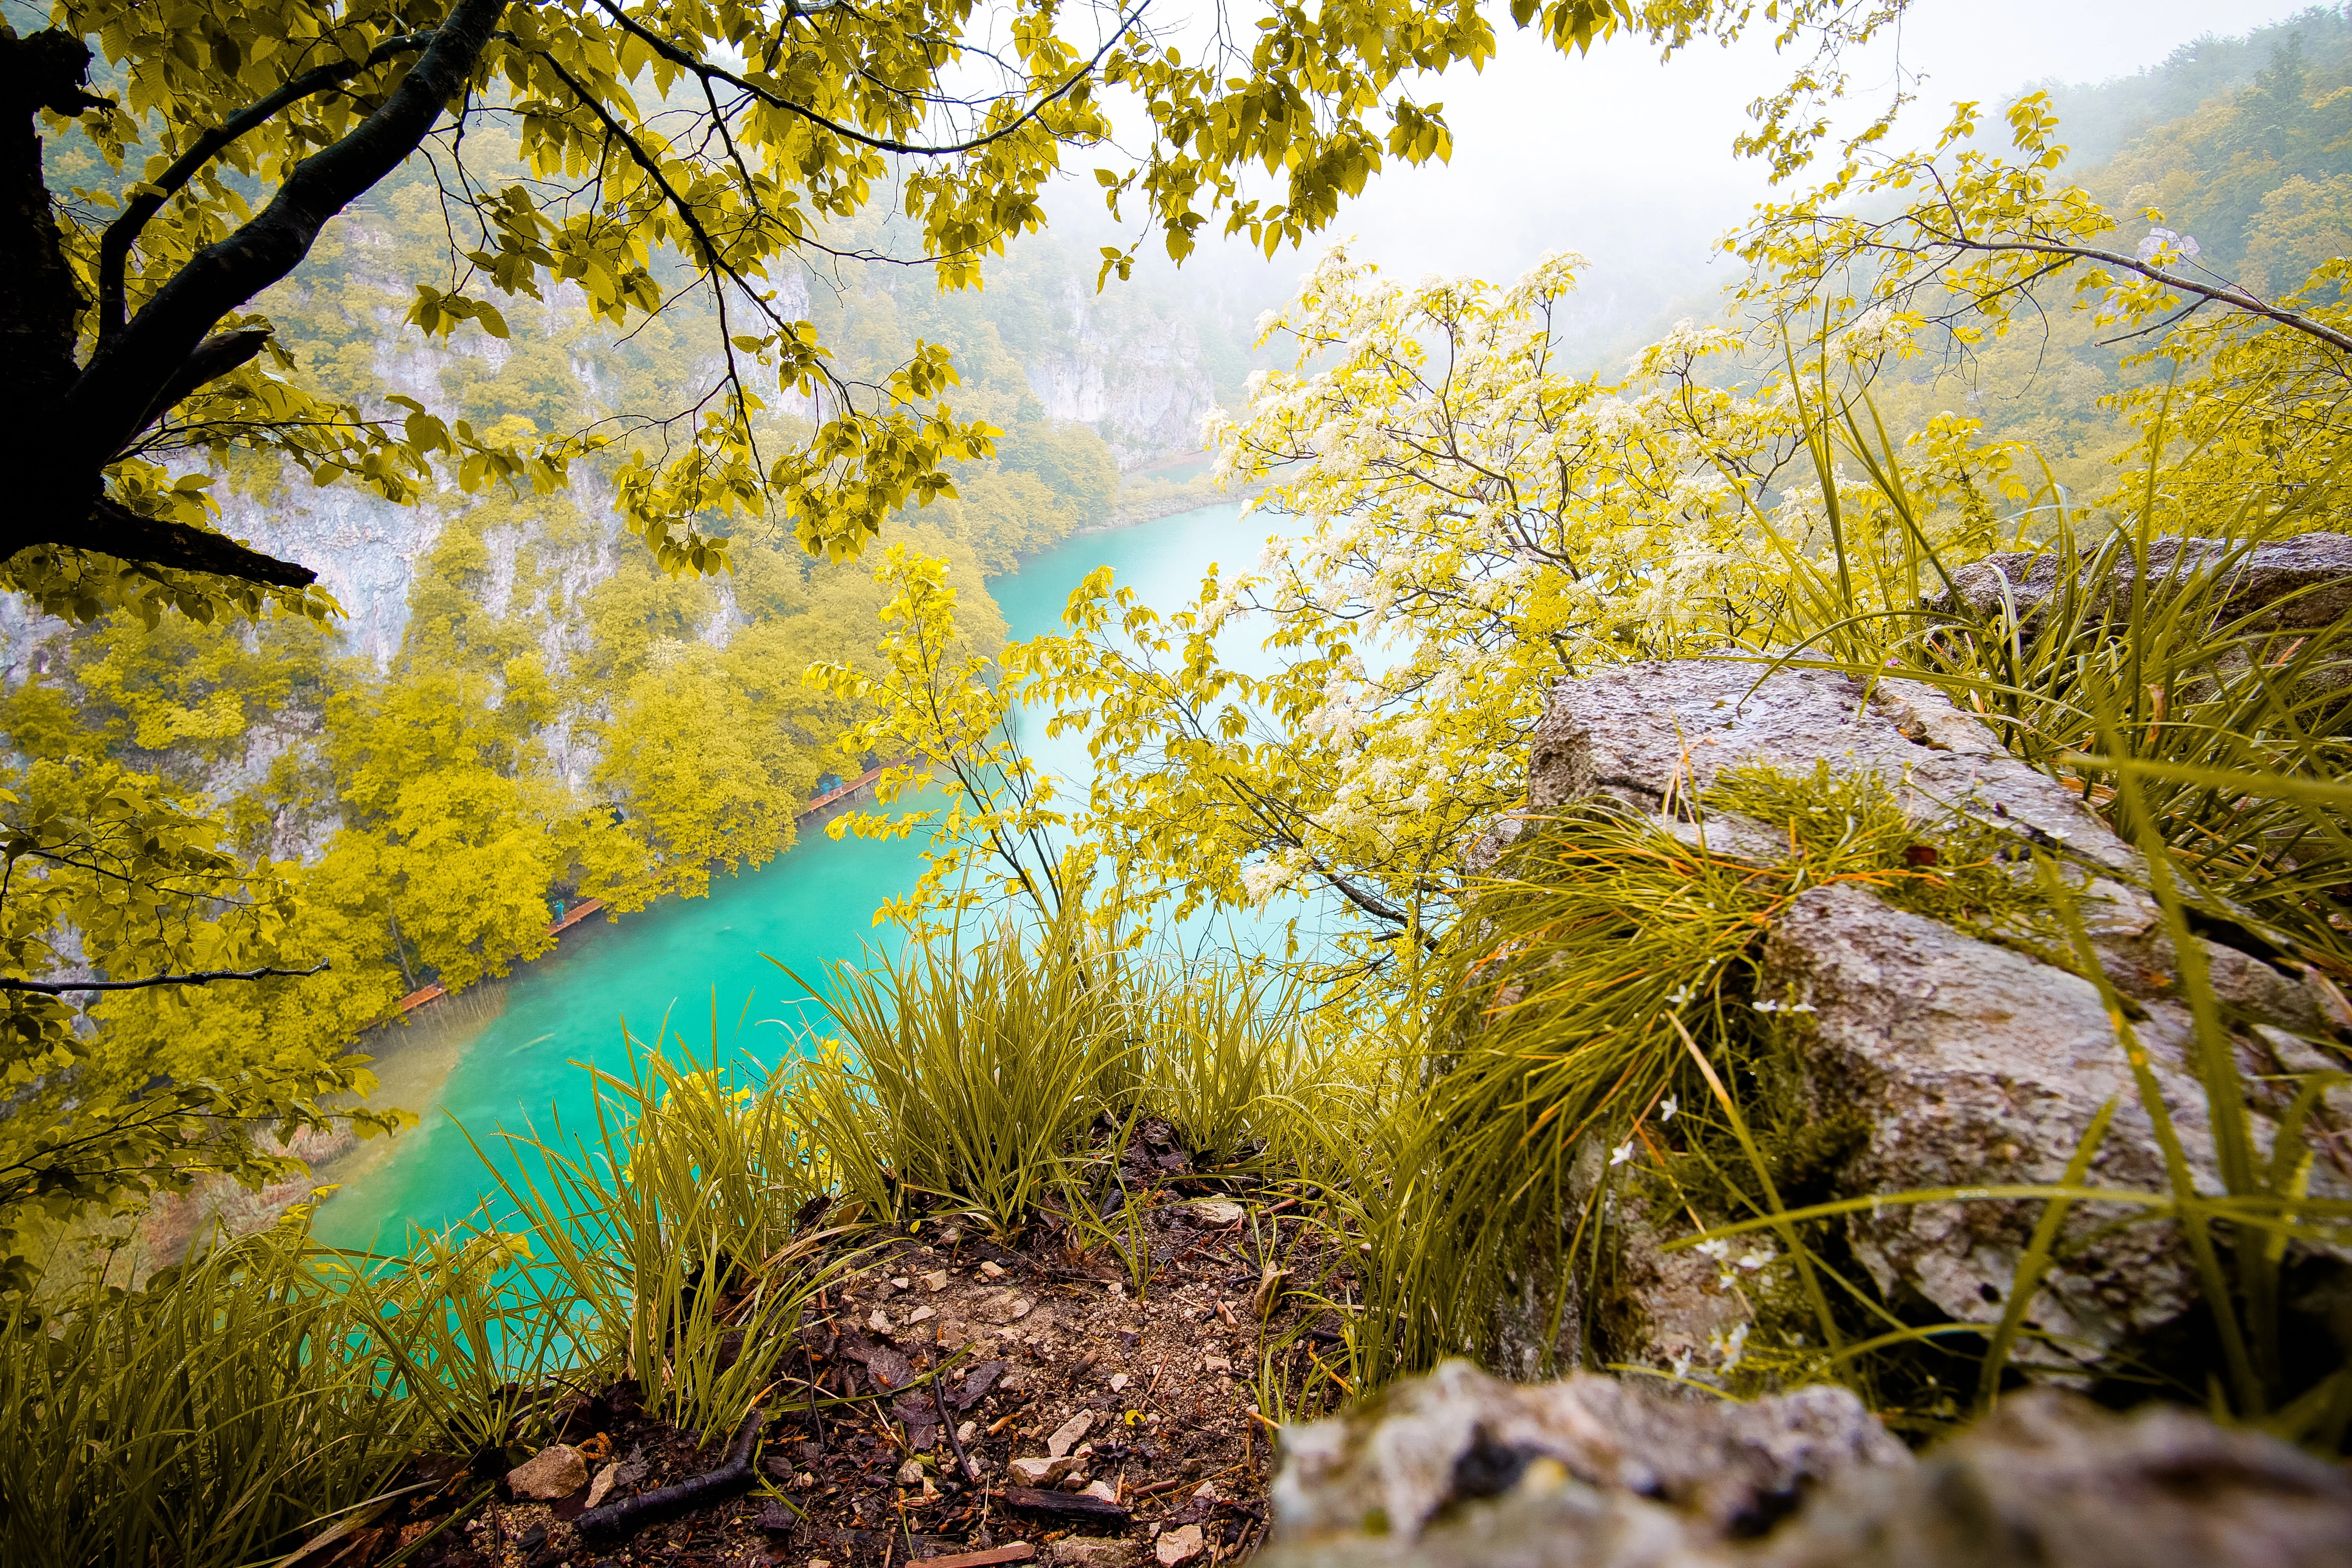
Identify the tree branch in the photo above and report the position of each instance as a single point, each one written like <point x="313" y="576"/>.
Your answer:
<point x="686" y="60"/>
<point x="113" y="529"/>
<point x="194" y="977"/>
<point x="2221" y="294"/>
<point x="114" y="245"/>
<point x="122" y="381"/>
<point x="214" y="358"/>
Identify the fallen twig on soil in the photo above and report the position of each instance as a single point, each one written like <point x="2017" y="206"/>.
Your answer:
<point x="734" y="1476"/>
<point x="1071" y="1505"/>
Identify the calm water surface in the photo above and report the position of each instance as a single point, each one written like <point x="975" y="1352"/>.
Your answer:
<point x="505" y="1054"/>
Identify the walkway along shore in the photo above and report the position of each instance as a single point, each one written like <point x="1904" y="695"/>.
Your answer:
<point x="586" y="907"/>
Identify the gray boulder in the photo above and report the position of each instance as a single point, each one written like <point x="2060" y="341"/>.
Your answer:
<point x="1654" y="736"/>
<point x="1458" y="1470"/>
<point x="2289" y="584"/>
<point x="1961" y="1061"/>
<point x="1407" y="1458"/>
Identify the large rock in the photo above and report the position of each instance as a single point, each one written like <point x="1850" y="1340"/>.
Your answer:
<point x="1957" y="1061"/>
<point x="1655" y="735"/>
<point x="2287" y="584"/>
<point x="1972" y="1064"/>
<point x="1429" y="1443"/>
<point x="1457" y="1470"/>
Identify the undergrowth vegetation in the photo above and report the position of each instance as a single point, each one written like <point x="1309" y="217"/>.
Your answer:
<point x="1467" y="1101"/>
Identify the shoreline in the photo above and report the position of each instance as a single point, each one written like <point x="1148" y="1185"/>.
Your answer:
<point x="576" y="913"/>
<point x="1132" y="514"/>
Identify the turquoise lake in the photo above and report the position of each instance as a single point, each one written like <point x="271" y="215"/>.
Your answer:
<point x="505" y="1054"/>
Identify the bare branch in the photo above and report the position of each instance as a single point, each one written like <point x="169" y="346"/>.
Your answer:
<point x="194" y="977"/>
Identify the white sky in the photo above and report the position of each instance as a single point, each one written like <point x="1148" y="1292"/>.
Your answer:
<point x="1629" y="161"/>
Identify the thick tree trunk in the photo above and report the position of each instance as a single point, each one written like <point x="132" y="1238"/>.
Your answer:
<point x="38" y="300"/>
<point x="75" y="420"/>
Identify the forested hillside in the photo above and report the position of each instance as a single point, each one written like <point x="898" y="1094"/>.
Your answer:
<point x="518" y="709"/>
<point x="2244" y="147"/>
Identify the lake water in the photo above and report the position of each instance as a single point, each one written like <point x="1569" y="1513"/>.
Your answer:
<point x="504" y="1054"/>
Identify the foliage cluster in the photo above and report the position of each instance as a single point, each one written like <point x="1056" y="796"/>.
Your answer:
<point x="232" y="1407"/>
<point x="1459" y="1070"/>
<point x="1468" y="521"/>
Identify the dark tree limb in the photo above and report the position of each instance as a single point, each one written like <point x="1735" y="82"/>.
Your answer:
<point x="40" y="302"/>
<point x="121" y="381"/>
<point x="114" y="245"/>
<point x="735" y="1475"/>
<point x="194" y="977"/>
<point x="214" y="358"/>
<point x="112" y="529"/>
<point x="81" y="419"/>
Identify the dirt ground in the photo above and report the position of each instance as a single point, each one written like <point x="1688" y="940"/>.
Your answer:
<point x="1099" y="1429"/>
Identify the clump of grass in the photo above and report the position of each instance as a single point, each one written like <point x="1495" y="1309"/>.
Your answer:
<point x="1585" y="1001"/>
<point x="986" y="1080"/>
<point x="1951" y="867"/>
<point x="1219" y="1051"/>
<point x="964" y="1079"/>
<point x="681" y="1241"/>
<point x="220" y="1415"/>
<point x="208" y="1418"/>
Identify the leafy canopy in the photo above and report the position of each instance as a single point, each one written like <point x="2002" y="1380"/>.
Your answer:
<point x="658" y="151"/>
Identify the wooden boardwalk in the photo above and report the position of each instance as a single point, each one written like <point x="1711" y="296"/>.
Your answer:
<point x="576" y="913"/>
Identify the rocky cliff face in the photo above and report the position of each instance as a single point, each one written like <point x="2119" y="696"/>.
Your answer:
<point x="1137" y="376"/>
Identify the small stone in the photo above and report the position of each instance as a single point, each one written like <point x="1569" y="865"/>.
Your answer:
<point x="879" y="1322"/>
<point x="1022" y="1308"/>
<point x="936" y="1281"/>
<point x="920" y="1315"/>
<point x="991" y="1271"/>
<point x="1215" y="1211"/>
<point x="602" y="1487"/>
<point x="1035" y="1472"/>
<point x="1069" y="1433"/>
<point x="555" y="1471"/>
<point x="1216" y="1363"/>
<point x="1178" y="1545"/>
<point x="1207" y="1492"/>
<point x="968" y="1431"/>
<point x="910" y="1474"/>
<point x="900" y="1283"/>
<point x="1119" y="1381"/>
<point x="1082" y="1552"/>
<point x="1102" y="1490"/>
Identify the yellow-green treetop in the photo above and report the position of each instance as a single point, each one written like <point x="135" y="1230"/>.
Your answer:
<point x="664" y="149"/>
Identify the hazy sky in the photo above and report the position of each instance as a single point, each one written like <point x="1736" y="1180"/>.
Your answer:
<point x="1629" y="161"/>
